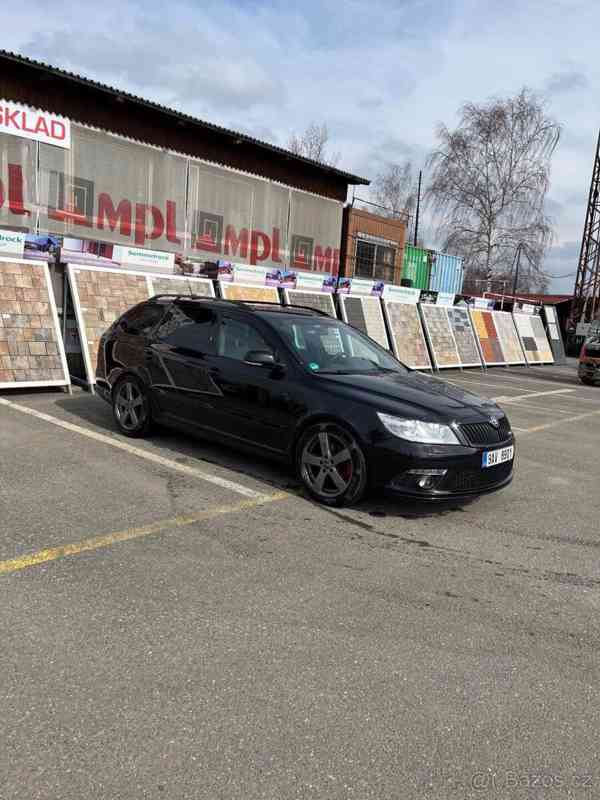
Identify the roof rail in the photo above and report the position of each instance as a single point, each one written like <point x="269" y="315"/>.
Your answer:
<point x="248" y="304"/>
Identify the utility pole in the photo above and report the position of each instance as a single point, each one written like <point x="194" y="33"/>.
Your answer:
<point x="418" y="209"/>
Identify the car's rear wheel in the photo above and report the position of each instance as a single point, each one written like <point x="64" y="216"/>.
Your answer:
<point x="332" y="465"/>
<point x="131" y="408"/>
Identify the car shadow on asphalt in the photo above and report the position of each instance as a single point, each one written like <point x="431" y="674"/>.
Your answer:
<point x="90" y="409"/>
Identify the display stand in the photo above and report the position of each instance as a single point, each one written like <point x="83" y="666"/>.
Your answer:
<point x="32" y="352"/>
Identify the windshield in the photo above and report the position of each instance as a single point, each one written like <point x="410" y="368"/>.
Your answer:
<point x="328" y="346"/>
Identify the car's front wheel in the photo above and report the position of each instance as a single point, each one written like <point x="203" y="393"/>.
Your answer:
<point x="131" y="408"/>
<point x="332" y="465"/>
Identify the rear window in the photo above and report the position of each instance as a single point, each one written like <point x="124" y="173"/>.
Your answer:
<point x="141" y="319"/>
<point x="189" y="327"/>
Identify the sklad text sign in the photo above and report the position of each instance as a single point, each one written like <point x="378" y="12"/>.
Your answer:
<point x="30" y="123"/>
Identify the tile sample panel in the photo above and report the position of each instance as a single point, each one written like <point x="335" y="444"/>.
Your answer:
<point x="364" y="313"/>
<point x="462" y="330"/>
<point x="440" y="336"/>
<point x="408" y="339"/>
<point x="533" y="338"/>
<point x="241" y="291"/>
<point x="178" y="284"/>
<point x="100" y="297"/>
<point x="508" y="337"/>
<point x="554" y="335"/>
<point x="31" y="346"/>
<point x="322" y="301"/>
<point x="485" y="329"/>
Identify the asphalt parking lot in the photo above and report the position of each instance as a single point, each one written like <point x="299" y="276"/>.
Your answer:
<point x="179" y="622"/>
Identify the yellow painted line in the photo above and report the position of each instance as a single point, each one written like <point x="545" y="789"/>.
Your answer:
<point x="560" y="422"/>
<point x="109" y="539"/>
<point x="140" y="452"/>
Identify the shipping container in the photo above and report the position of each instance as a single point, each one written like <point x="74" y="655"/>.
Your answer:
<point x="446" y="273"/>
<point x="415" y="266"/>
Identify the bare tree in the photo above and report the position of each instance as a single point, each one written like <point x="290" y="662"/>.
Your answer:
<point x="313" y="144"/>
<point x="395" y="190"/>
<point x="488" y="183"/>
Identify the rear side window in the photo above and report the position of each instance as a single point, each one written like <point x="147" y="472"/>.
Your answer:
<point x="189" y="327"/>
<point x="141" y="319"/>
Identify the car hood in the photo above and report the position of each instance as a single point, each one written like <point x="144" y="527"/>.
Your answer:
<point x="393" y="391"/>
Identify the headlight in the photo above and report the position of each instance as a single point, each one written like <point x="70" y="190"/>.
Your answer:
<point x="413" y="430"/>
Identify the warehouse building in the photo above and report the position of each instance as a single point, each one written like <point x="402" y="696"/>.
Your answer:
<point x="89" y="162"/>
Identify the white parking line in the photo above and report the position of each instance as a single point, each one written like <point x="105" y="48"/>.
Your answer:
<point x="515" y="398"/>
<point x="559" y="422"/>
<point x="192" y="472"/>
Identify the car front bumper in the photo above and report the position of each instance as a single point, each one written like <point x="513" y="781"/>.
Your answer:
<point x="589" y="370"/>
<point x="393" y="463"/>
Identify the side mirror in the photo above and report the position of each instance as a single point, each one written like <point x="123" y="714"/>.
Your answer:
<point x="260" y="358"/>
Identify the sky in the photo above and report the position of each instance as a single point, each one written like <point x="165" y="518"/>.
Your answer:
<point x="381" y="74"/>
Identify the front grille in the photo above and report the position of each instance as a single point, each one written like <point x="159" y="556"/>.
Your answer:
<point x="483" y="433"/>
<point x="472" y="480"/>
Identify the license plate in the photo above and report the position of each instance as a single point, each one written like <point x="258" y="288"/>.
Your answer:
<point x="491" y="458"/>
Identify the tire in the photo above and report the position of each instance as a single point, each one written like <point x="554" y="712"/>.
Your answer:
<point x="588" y="381"/>
<point x="131" y="407"/>
<point x="327" y="475"/>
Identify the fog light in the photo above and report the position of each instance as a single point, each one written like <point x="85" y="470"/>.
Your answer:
<point x="428" y="478"/>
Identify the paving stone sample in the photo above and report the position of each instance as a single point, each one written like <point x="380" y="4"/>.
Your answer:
<point x="440" y="335"/>
<point x="534" y="339"/>
<point x="508" y="337"/>
<point x="164" y="284"/>
<point x="462" y="330"/>
<point x="408" y="339"/>
<point x="485" y="329"/>
<point x="321" y="301"/>
<point x="365" y="314"/>
<point x="102" y="296"/>
<point x="554" y="335"/>
<point x="240" y="291"/>
<point x="31" y="347"/>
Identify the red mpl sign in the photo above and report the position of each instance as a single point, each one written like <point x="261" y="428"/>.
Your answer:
<point x="31" y="123"/>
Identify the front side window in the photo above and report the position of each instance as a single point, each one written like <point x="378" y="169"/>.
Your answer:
<point x="237" y="339"/>
<point x="324" y="345"/>
<point x="189" y="327"/>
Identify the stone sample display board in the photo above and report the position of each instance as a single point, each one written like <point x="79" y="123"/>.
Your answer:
<point x="31" y="346"/>
<point x="489" y="342"/>
<point x="321" y="301"/>
<point x="177" y="284"/>
<point x="441" y="338"/>
<point x="365" y="314"/>
<point x="533" y="338"/>
<point x="248" y="292"/>
<point x="462" y="330"/>
<point x="554" y="335"/>
<point x="508" y="337"/>
<point x="406" y="330"/>
<point x="100" y="297"/>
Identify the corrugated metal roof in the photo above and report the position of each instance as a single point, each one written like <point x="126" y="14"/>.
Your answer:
<point x="61" y="73"/>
